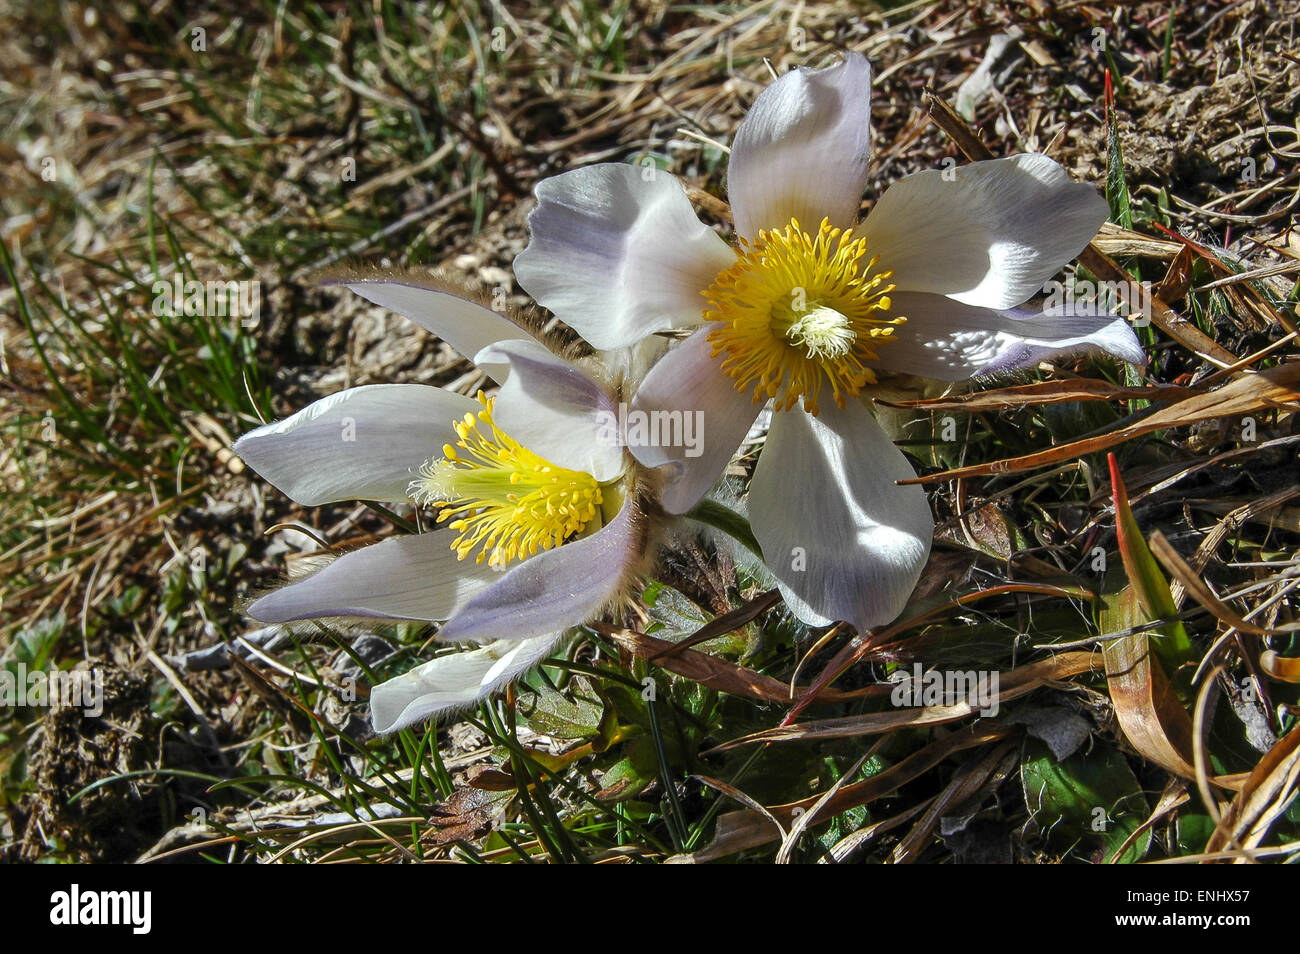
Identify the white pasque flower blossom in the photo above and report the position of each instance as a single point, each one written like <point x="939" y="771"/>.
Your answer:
<point x="810" y="310"/>
<point x="546" y="525"/>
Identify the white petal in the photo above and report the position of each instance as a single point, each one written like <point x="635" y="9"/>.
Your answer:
<point x="360" y="444"/>
<point x="467" y="326"/>
<point x="990" y="237"/>
<point x="618" y="253"/>
<point x="555" y="410"/>
<point x="415" y="576"/>
<point x="634" y="363"/>
<point x="454" y="682"/>
<point x="687" y="395"/>
<point x="843" y="540"/>
<point x="555" y="589"/>
<point x="802" y="150"/>
<point x="948" y="341"/>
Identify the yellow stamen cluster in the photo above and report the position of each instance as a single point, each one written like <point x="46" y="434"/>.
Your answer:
<point x="504" y="498"/>
<point x="797" y="312"/>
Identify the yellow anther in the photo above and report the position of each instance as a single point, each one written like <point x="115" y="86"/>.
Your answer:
<point x="506" y="500"/>
<point x="798" y="312"/>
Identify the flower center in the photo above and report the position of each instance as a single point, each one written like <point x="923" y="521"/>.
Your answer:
<point x="798" y="312"/>
<point x="505" y="499"/>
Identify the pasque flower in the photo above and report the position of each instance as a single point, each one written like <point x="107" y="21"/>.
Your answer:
<point x="544" y="521"/>
<point x="810" y="311"/>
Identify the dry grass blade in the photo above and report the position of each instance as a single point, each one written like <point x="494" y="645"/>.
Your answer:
<point x="974" y="777"/>
<point x="1232" y="519"/>
<point x="1174" y="795"/>
<point x="807" y="818"/>
<point x="1249" y="394"/>
<point x="947" y="119"/>
<point x="1205" y="697"/>
<point x="1046" y="392"/>
<point x="1162" y="316"/>
<point x="1114" y="240"/>
<point x="291" y="709"/>
<point x="741" y="831"/>
<point x="1012" y="685"/>
<point x="851" y="843"/>
<point x="1281" y="668"/>
<point x="863" y="644"/>
<point x="1201" y="592"/>
<point x="711" y="671"/>
<point x="1264" y="796"/>
<point x="749" y="802"/>
<point x="1150" y="713"/>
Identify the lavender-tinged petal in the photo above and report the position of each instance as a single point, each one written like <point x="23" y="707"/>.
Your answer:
<point x="948" y="341"/>
<point x="686" y="394"/>
<point x="802" y="151"/>
<point x="360" y="444"/>
<point x="410" y="577"/>
<point x="989" y="233"/>
<point x="618" y="253"/>
<point x="467" y="326"/>
<point x="844" y="541"/>
<point x="558" y="588"/>
<point x="555" y="410"/>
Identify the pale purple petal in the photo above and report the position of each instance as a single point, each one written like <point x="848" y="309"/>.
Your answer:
<point x="688" y="415"/>
<point x="467" y="326"/>
<point x="555" y="410"/>
<point x="454" y="682"/>
<point x="555" y="589"/>
<point x="844" y="541"/>
<point x="618" y="253"/>
<point x="360" y="444"/>
<point x="416" y="576"/>
<point x="948" y="341"/>
<point x="990" y="234"/>
<point x="802" y="150"/>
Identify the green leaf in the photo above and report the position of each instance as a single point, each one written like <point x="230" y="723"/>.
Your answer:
<point x="1193" y="832"/>
<point x="631" y="776"/>
<point x="34" y="646"/>
<point x="675" y="612"/>
<point x="676" y="616"/>
<point x="555" y="714"/>
<point x="1148" y="582"/>
<point x="1091" y="797"/>
<point x="1121" y="210"/>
